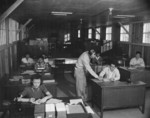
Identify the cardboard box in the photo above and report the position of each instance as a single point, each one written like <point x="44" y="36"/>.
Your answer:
<point x="39" y="111"/>
<point x="50" y="110"/>
<point x="61" y="110"/>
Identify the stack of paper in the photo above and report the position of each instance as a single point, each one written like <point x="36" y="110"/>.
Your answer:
<point x="29" y="72"/>
<point x="48" y="81"/>
<point x="53" y="101"/>
<point x="76" y="101"/>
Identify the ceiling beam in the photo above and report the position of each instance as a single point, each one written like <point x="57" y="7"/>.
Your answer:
<point x="10" y="10"/>
<point x="28" y="21"/>
<point x="30" y="27"/>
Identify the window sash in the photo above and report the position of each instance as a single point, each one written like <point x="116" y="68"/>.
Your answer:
<point x="146" y="33"/>
<point x="97" y="35"/>
<point x="124" y="36"/>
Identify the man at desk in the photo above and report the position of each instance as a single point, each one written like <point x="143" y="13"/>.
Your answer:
<point x="110" y="73"/>
<point x="137" y="61"/>
<point x="27" y="60"/>
<point x="36" y="93"/>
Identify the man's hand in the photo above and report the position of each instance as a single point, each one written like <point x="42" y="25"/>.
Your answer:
<point x="37" y="101"/>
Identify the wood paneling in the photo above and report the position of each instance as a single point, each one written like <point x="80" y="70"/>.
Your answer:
<point x="147" y="55"/>
<point x="137" y="32"/>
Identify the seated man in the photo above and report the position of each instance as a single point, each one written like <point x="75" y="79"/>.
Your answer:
<point x="36" y="93"/>
<point x="45" y="58"/>
<point x="110" y="73"/>
<point x="41" y="65"/>
<point x="97" y="60"/>
<point x="27" y="60"/>
<point x="137" y="61"/>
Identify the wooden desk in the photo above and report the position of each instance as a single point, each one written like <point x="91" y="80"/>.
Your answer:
<point x="26" y="110"/>
<point x="110" y="95"/>
<point x="135" y="75"/>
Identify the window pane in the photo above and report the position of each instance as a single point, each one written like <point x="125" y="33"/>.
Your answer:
<point x="79" y="34"/>
<point x="146" y="33"/>
<point x="124" y="36"/>
<point x="108" y="33"/>
<point x="97" y="33"/>
<point x="90" y="33"/>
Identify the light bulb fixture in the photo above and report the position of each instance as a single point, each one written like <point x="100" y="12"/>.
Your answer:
<point x="60" y="13"/>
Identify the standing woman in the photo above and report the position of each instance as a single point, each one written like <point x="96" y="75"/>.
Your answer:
<point x="82" y="66"/>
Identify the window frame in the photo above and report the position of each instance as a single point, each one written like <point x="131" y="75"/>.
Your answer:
<point x="148" y="33"/>
<point x="125" y="33"/>
<point x="90" y="33"/>
<point x="97" y="35"/>
<point x="108" y="33"/>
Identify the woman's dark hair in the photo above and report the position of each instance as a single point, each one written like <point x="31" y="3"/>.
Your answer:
<point x="36" y="76"/>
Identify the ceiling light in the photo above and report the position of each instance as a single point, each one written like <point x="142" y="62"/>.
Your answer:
<point x="60" y="14"/>
<point x="125" y="15"/>
<point x="55" y="12"/>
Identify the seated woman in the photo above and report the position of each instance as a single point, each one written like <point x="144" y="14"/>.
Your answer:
<point x="41" y="65"/>
<point x="35" y="93"/>
<point x="27" y="60"/>
<point x="110" y="73"/>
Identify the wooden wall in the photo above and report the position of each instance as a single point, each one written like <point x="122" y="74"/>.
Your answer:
<point x="9" y="37"/>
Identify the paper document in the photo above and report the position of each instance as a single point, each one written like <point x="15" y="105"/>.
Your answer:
<point x="76" y="101"/>
<point x="53" y="101"/>
<point x="30" y="72"/>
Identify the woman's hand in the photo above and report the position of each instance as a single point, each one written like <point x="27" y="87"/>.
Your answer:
<point x="31" y="100"/>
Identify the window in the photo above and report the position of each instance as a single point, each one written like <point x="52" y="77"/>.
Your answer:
<point x="97" y="33"/>
<point x="2" y="33"/>
<point x="67" y="38"/>
<point x="79" y="33"/>
<point x="108" y="33"/>
<point x="124" y="36"/>
<point x="13" y="28"/>
<point x="146" y="33"/>
<point x="90" y="33"/>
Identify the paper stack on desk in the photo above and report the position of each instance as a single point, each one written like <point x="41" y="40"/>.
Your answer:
<point x="50" y="110"/>
<point x="16" y="78"/>
<point x="29" y="72"/>
<point x="76" y="101"/>
<point x="48" y="81"/>
<point x="53" y="101"/>
<point x="61" y="110"/>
